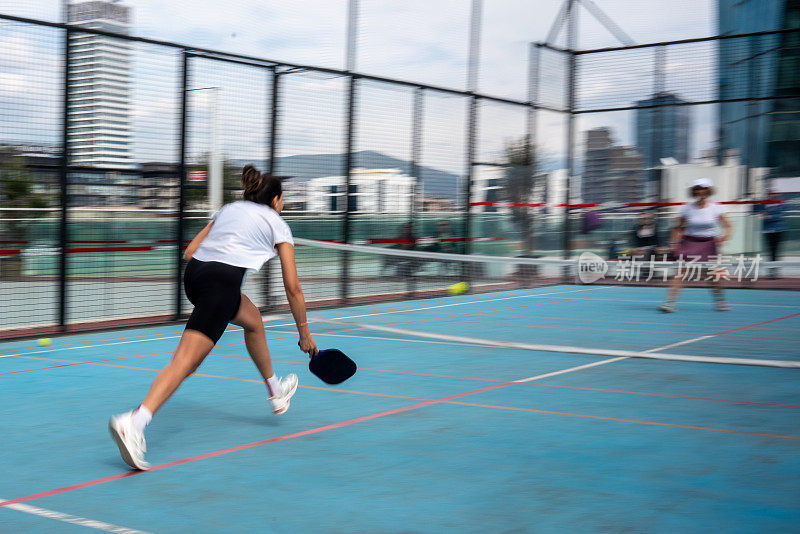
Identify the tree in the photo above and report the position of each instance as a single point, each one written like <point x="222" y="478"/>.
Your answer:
<point x="518" y="184"/>
<point x="16" y="191"/>
<point x="197" y="192"/>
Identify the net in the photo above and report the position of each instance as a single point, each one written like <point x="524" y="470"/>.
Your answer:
<point x="582" y="307"/>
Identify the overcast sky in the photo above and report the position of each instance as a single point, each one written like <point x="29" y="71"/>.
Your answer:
<point x="419" y="40"/>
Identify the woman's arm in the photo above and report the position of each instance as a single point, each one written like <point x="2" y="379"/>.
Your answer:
<point x="195" y="244"/>
<point x="726" y="228"/>
<point x="677" y="233"/>
<point x="294" y="293"/>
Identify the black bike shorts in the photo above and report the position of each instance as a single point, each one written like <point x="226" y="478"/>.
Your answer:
<point x="214" y="289"/>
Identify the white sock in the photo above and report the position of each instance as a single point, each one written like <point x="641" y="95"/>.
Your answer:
<point x="274" y="386"/>
<point x="141" y="418"/>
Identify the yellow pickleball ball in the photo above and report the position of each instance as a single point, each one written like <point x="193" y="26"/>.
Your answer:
<point x="43" y="341"/>
<point x="459" y="288"/>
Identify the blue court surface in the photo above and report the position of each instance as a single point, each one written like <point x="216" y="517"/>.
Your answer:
<point x="430" y="435"/>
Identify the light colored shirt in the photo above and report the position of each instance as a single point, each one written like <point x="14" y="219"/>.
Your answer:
<point x="702" y="222"/>
<point x="244" y="235"/>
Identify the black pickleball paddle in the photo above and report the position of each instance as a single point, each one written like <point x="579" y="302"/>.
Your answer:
<point x="332" y="366"/>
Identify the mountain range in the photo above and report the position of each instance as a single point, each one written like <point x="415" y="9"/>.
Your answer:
<point x="435" y="182"/>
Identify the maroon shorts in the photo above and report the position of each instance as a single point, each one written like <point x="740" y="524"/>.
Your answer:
<point x="695" y="248"/>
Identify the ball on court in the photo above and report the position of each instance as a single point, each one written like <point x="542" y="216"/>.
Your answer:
<point x="457" y="289"/>
<point x="43" y="341"/>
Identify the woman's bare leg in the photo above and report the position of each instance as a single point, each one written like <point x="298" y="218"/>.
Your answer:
<point x="249" y="318"/>
<point x="190" y="353"/>
<point x="718" y="292"/>
<point x="675" y="286"/>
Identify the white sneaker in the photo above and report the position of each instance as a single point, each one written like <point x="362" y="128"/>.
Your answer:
<point x="280" y="403"/>
<point x="667" y="307"/>
<point x="130" y="441"/>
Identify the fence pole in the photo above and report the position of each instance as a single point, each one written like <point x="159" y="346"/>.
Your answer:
<point x="63" y="176"/>
<point x="571" y="45"/>
<point x="416" y="148"/>
<point x="273" y="121"/>
<point x="752" y="114"/>
<point x="657" y="118"/>
<point x="266" y="278"/>
<point x="181" y="185"/>
<point x="534" y="60"/>
<point x="472" y="117"/>
<point x="348" y="171"/>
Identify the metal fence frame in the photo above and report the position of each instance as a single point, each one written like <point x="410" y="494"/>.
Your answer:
<point x="571" y="54"/>
<point x="277" y="70"/>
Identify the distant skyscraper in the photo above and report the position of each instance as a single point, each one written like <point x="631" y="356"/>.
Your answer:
<point x="611" y="173"/>
<point x="662" y="132"/>
<point x="765" y="133"/>
<point x="99" y="128"/>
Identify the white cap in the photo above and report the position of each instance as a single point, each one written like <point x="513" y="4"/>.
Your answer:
<point x="702" y="182"/>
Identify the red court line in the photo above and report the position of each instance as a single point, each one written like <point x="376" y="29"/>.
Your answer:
<point x="76" y="363"/>
<point x="349" y="422"/>
<point x="755" y="324"/>
<point x="539" y="384"/>
<point x="288" y="337"/>
<point x="220" y="452"/>
<point x="24" y="356"/>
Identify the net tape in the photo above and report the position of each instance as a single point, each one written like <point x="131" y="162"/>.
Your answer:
<point x="724" y="260"/>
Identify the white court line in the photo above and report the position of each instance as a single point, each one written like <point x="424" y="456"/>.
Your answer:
<point x="648" y="354"/>
<point x="459" y="344"/>
<point x="57" y="349"/>
<point x="74" y="519"/>
<point x="571" y="369"/>
<point x="273" y="317"/>
<point x="404" y="310"/>
<point x="603" y="362"/>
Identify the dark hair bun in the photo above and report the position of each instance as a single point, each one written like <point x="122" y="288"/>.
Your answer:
<point x="251" y="180"/>
<point x="261" y="188"/>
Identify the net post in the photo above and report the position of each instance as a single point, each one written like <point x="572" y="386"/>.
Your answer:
<point x="181" y="184"/>
<point x="266" y="278"/>
<point x="64" y="191"/>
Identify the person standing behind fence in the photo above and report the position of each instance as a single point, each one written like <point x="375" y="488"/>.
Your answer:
<point x="773" y="227"/>
<point x="694" y="238"/>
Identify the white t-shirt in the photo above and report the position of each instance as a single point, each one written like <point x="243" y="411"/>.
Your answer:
<point x="244" y="235"/>
<point x="702" y="222"/>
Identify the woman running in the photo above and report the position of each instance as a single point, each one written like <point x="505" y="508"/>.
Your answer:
<point x="695" y="238"/>
<point x="241" y="237"/>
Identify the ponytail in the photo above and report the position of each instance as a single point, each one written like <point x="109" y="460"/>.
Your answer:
<point x="261" y="188"/>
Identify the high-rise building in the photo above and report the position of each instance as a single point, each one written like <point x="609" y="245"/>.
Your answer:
<point x="99" y="122"/>
<point x="611" y="173"/>
<point x="765" y="133"/>
<point x="662" y="132"/>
